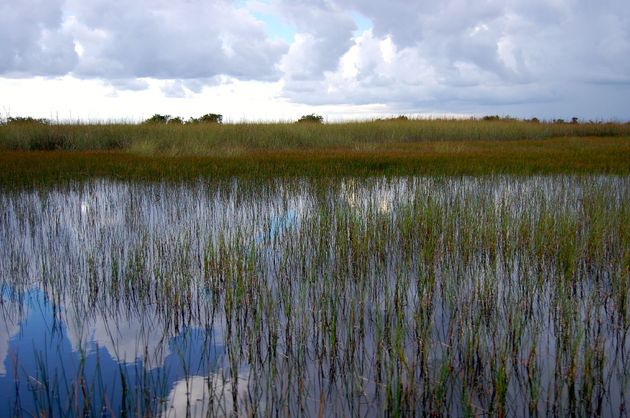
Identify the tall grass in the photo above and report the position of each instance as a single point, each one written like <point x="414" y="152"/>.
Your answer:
<point x="230" y="139"/>
<point x="451" y="158"/>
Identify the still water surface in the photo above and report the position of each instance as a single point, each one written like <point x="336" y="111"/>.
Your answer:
<point x="300" y="297"/>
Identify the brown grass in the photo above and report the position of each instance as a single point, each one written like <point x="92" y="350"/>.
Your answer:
<point x="557" y="155"/>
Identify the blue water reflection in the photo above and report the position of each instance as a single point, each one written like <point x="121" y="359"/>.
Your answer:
<point x="49" y="367"/>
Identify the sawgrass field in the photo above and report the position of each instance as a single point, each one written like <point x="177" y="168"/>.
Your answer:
<point x="383" y="268"/>
<point x="389" y="147"/>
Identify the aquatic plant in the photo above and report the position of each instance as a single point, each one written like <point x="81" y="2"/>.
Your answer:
<point x="495" y="295"/>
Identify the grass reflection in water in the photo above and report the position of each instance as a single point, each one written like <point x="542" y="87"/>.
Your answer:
<point x="500" y="295"/>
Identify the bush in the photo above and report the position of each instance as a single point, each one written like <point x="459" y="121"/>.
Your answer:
<point x="208" y="118"/>
<point x="157" y="118"/>
<point x="19" y="120"/>
<point x="312" y="118"/>
<point x="393" y="119"/>
<point x="493" y="118"/>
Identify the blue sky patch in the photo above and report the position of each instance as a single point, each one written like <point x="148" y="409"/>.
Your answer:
<point x="276" y="28"/>
<point x="363" y="23"/>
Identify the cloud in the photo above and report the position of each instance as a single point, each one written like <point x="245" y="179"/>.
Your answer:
<point x="429" y="56"/>
<point x="130" y="84"/>
<point x="175" y="89"/>
<point x="33" y="40"/>
<point x="8" y="331"/>
<point x="123" y="40"/>
<point x="449" y="55"/>
<point x="212" y="395"/>
<point x="323" y="35"/>
<point x="172" y="40"/>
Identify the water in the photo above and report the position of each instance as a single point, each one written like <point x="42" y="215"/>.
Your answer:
<point x="299" y="297"/>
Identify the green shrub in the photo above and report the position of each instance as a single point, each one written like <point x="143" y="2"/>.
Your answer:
<point x="176" y="121"/>
<point x="208" y="118"/>
<point x="20" y="120"/>
<point x="157" y="118"/>
<point x="312" y="118"/>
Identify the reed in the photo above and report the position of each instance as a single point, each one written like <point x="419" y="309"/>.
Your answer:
<point x="497" y="295"/>
<point x="234" y="139"/>
<point x="586" y="155"/>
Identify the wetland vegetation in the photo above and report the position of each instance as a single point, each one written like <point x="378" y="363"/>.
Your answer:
<point x="499" y="295"/>
<point x="399" y="268"/>
<point x="229" y="139"/>
<point x="155" y="151"/>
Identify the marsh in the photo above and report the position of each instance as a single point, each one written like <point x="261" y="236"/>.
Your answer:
<point x="352" y="296"/>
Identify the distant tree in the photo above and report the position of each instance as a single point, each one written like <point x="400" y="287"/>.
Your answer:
<point x="391" y="119"/>
<point x="491" y="118"/>
<point x="312" y="118"/>
<point x="574" y="120"/>
<point x="157" y="118"/>
<point x="20" y="120"/>
<point x="534" y="120"/>
<point x="176" y="121"/>
<point x="208" y="118"/>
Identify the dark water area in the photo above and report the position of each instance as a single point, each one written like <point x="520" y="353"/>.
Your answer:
<point x="357" y="297"/>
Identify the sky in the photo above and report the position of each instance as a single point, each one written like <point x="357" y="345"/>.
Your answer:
<point x="275" y="60"/>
